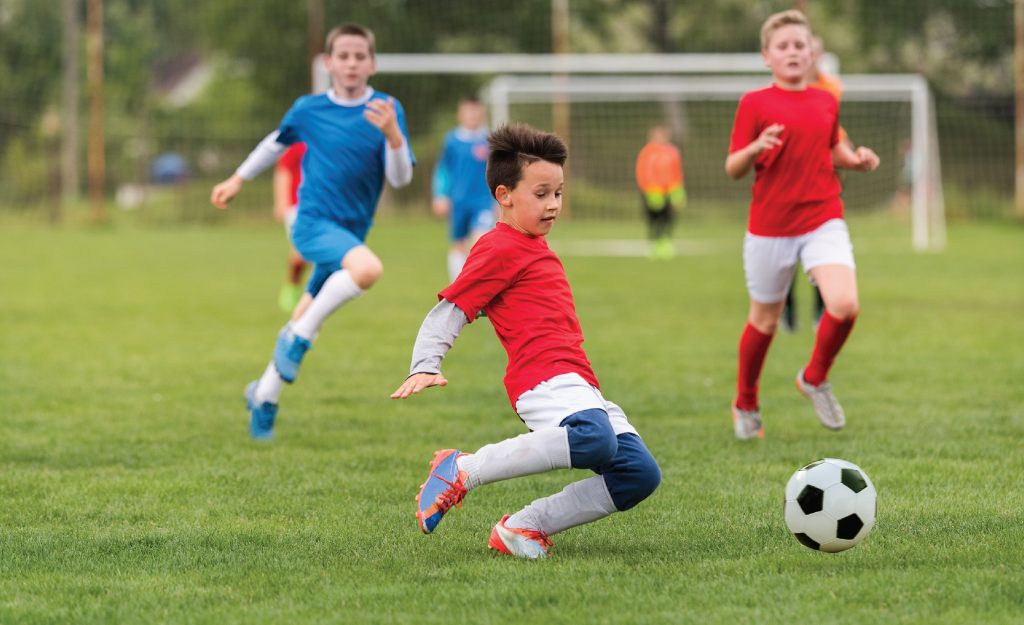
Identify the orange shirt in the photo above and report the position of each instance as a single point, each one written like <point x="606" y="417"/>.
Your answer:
<point x="659" y="168"/>
<point x="828" y="82"/>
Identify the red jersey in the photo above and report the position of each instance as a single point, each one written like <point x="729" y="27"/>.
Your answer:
<point x="795" y="186"/>
<point x="292" y="161"/>
<point x="521" y="285"/>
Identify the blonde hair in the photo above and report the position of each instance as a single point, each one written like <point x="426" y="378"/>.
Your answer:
<point x="778" y="20"/>
<point x="357" y="30"/>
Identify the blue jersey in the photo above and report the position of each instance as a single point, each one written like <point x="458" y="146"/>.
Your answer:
<point x="343" y="169"/>
<point x="463" y="166"/>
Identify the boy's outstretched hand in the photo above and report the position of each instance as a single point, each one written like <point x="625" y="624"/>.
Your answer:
<point x="417" y="382"/>
<point x="226" y="191"/>
<point x="381" y="113"/>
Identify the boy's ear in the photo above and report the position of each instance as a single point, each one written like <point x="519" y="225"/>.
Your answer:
<point x="503" y="195"/>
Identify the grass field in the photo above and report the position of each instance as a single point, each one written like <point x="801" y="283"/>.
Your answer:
<point x="131" y="492"/>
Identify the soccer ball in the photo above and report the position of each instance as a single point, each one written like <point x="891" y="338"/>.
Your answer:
<point x="830" y="505"/>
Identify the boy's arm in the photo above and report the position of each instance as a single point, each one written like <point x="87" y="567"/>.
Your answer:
<point x="738" y="163"/>
<point x="437" y="334"/>
<point x="397" y="158"/>
<point x="846" y="157"/>
<point x="398" y="165"/>
<point x="282" y="192"/>
<point x="439" y="189"/>
<point x="263" y="156"/>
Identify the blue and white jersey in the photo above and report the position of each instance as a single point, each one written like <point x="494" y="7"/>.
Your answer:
<point x="463" y="163"/>
<point x="343" y="169"/>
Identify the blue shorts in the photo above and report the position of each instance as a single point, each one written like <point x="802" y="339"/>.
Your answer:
<point x="324" y="242"/>
<point x="467" y="220"/>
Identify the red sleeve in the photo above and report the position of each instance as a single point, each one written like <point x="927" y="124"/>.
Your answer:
<point x="744" y="127"/>
<point x="488" y="271"/>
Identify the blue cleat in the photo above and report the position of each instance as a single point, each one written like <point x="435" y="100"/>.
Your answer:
<point x="288" y="353"/>
<point x="445" y="487"/>
<point x="261" y="416"/>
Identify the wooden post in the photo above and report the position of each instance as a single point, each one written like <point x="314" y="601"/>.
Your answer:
<point x="800" y="5"/>
<point x="69" y="181"/>
<point x="94" y="76"/>
<point x="560" y="110"/>
<point x="1018" y="66"/>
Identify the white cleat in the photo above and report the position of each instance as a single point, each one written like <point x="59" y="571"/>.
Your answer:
<point x="521" y="543"/>
<point x="747" y="423"/>
<point x="830" y="413"/>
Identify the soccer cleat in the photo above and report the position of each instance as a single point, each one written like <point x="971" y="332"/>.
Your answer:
<point x="830" y="413"/>
<point x="261" y="416"/>
<point x="289" y="296"/>
<point x="747" y="423"/>
<point x="521" y="543"/>
<point x="445" y="487"/>
<point x="288" y="353"/>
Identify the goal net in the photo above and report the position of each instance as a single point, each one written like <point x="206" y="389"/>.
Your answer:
<point x="610" y="115"/>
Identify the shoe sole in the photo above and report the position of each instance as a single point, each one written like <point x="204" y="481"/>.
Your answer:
<point x="439" y="457"/>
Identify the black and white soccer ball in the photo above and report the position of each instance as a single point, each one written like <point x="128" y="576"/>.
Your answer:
<point x="830" y="505"/>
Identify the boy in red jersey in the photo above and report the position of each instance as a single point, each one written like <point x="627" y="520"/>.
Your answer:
<point x="513" y="276"/>
<point x="287" y="178"/>
<point x="790" y="136"/>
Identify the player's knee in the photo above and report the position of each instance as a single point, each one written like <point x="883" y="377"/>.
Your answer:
<point x="592" y="440"/>
<point x="366" y="271"/>
<point x="633" y="474"/>
<point x="843" y="308"/>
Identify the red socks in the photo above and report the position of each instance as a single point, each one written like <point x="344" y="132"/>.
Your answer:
<point x="753" y="349"/>
<point x="295" y="267"/>
<point x="832" y="334"/>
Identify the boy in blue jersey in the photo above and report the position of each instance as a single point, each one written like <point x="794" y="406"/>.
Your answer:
<point x="355" y="138"/>
<point x="460" y="183"/>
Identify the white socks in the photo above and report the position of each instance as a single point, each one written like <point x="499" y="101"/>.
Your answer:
<point x="580" y="502"/>
<point x="338" y="289"/>
<point x="270" y="385"/>
<point x="455" y="262"/>
<point x="536" y="452"/>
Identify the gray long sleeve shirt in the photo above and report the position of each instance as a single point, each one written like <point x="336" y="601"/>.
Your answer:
<point x="437" y="334"/>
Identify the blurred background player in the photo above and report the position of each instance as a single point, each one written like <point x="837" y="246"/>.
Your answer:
<point x="659" y="174"/>
<point x="287" y="178"/>
<point x="514" y="275"/>
<point x="355" y="139"/>
<point x="818" y="79"/>
<point x="460" y="183"/>
<point x="790" y="136"/>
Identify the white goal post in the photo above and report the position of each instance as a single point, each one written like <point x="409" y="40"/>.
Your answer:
<point x="540" y="78"/>
<point x="927" y="204"/>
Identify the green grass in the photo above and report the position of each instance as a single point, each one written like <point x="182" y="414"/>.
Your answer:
<point x="132" y="494"/>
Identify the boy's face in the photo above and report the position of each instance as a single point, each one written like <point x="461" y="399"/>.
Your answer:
<point x="470" y="115"/>
<point x="534" y="204"/>
<point x="350" y="65"/>
<point x="788" y="54"/>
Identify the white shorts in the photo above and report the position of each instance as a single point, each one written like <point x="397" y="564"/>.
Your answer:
<point x="551" y="401"/>
<point x="768" y="262"/>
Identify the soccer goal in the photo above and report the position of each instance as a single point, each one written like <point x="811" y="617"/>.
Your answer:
<point x="610" y="115"/>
